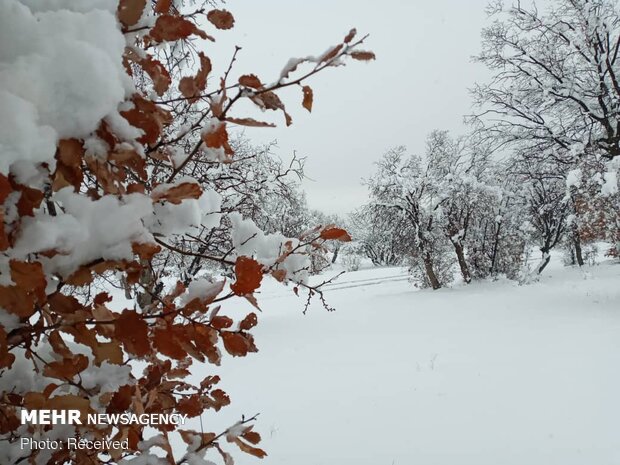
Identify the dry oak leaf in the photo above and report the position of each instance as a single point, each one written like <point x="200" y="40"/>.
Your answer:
<point x="221" y="19"/>
<point x="250" y="122"/>
<point x="189" y="437"/>
<point x="17" y="301"/>
<point x="29" y="276"/>
<point x="236" y="344"/>
<point x="4" y="238"/>
<point x="218" y="139"/>
<point x="129" y="12"/>
<point x="191" y="406"/>
<point x="363" y="55"/>
<point x="166" y="342"/>
<point x="132" y="331"/>
<point x="308" y="98"/>
<point x="248" y="449"/>
<point x="29" y="200"/>
<point x="249" y="322"/>
<point x="145" y="250"/>
<point x="190" y="86"/>
<point x="176" y="194"/>
<point x="6" y="358"/>
<point x="336" y="234"/>
<point x="67" y="368"/>
<point x="249" y="275"/>
<point x="147" y="116"/>
<point x="68" y="165"/>
<point x="349" y="37"/>
<point x="5" y="188"/>
<point x="163" y="6"/>
<point x="250" y="80"/>
<point x="158" y="74"/>
<point x="221" y="322"/>
<point x="171" y="28"/>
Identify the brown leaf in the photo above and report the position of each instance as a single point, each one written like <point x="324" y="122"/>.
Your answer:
<point x="4" y="238"/>
<point x="249" y="275"/>
<point x="336" y="234"/>
<point x="68" y="165"/>
<point x="29" y="276"/>
<point x="6" y="358"/>
<point x="256" y="452"/>
<point x="108" y="351"/>
<point x="132" y="331"/>
<point x="191" y="87"/>
<point x="251" y="436"/>
<point x="221" y="19"/>
<point x="165" y="341"/>
<point x="308" y="97"/>
<point x="249" y="322"/>
<point x="250" y="122"/>
<point x="5" y="188"/>
<point x="189" y="437"/>
<point x="29" y="200"/>
<point x="67" y="368"/>
<point x="271" y="101"/>
<point x="158" y="73"/>
<point x="235" y="344"/>
<point x="147" y="116"/>
<point x="350" y="36"/>
<point x="221" y="322"/>
<point x="280" y="275"/>
<point x="331" y="54"/>
<point x="362" y="55"/>
<point x="17" y="301"/>
<point x="176" y="194"/>
<point x="63" y="304"/>
<point x="250" y="80"/>
<point x="190" y="406"/>
<point x="218" y="138"/>
<point x="171" y="28"/>
<point x="144" y="250"/>
<point x="163" y="6"/>
<point x="130" y="11"/>
<point x="121" y="400"/>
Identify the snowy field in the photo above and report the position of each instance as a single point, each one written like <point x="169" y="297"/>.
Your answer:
<point x="490" y="374"/>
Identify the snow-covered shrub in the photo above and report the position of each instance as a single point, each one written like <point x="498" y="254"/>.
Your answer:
<point x="351" y="261"/>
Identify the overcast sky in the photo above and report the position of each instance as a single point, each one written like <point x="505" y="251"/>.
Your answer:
<point x="418" y="83"/>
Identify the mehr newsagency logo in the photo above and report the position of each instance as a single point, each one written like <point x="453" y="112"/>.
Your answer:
<point x="75" y="417"/>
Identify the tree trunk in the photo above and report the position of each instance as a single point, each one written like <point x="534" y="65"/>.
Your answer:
<point x="432" y="277"/>
<point x="544" y="261"/>
<point x="460" y="255"/>
<point x="335" y="255"/>
<point x="578" y="252"/>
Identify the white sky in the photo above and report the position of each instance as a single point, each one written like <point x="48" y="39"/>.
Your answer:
<point x="418" y="83"/>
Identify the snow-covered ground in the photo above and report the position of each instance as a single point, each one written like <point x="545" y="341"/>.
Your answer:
<point x="490" y="374"/>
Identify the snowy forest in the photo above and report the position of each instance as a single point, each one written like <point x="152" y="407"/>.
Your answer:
<point x="159" y="257"/>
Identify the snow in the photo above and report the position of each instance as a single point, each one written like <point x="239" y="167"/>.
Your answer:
<point x="86" y="230"/>
<point x="61" y="75"/>
<point x="573" y="178"/>
<point x="486" y="374"/>
<point x="266" y="249"/>
<point x="610" y="187"/>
